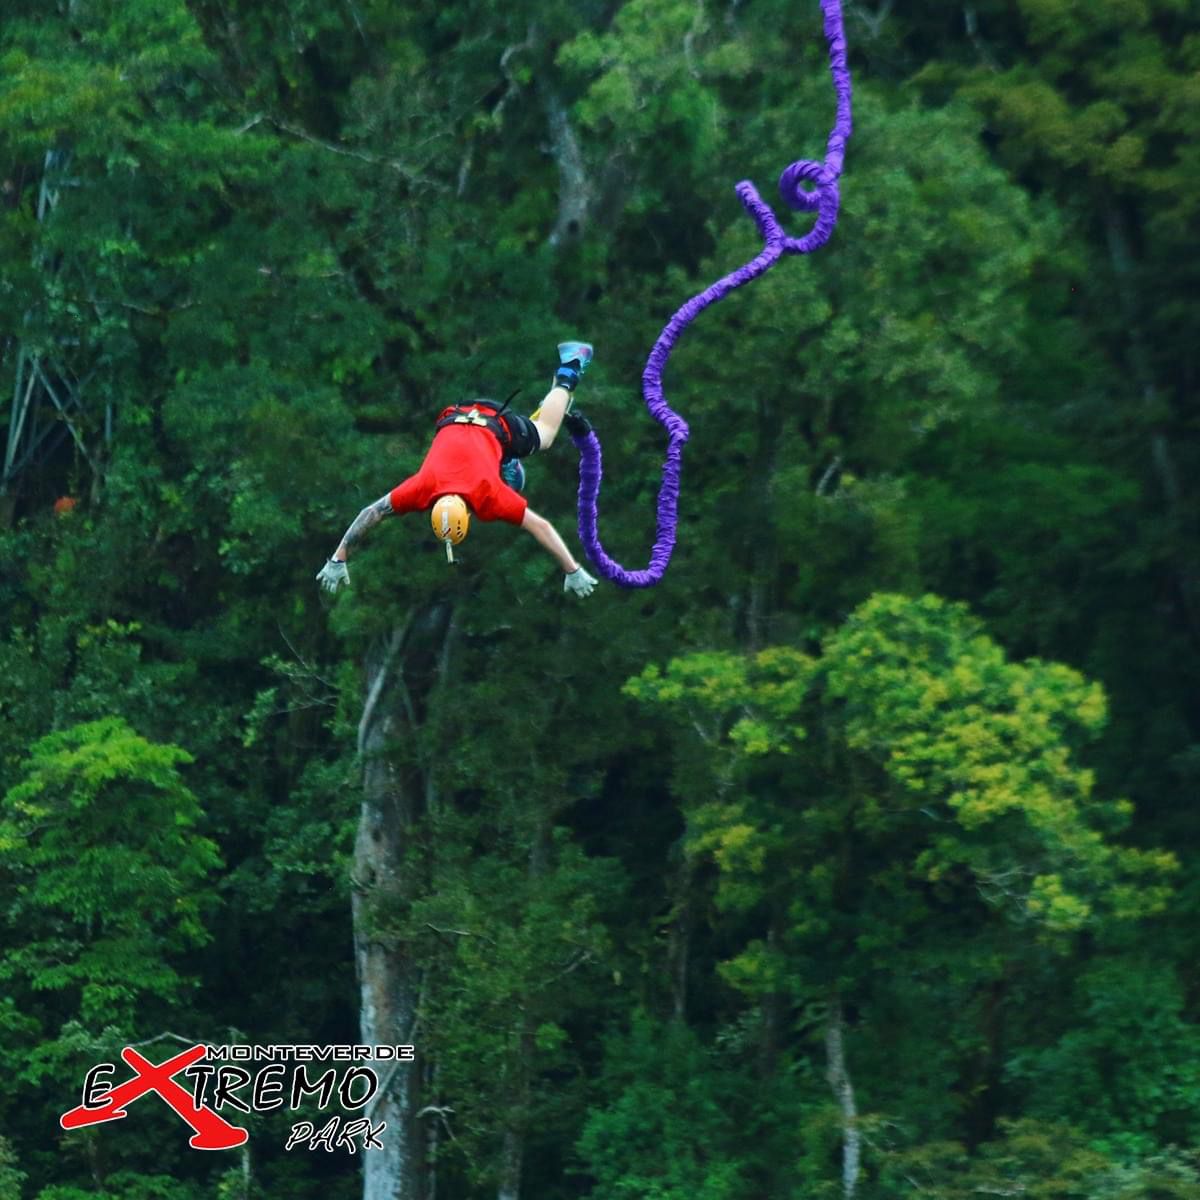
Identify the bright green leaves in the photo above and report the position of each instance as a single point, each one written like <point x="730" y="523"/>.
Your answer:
<point x="41" y="104"/>
<point x="647" y="75"/>
<point x="930" y="699"/>
<point x="1050" y="903"/>
<point x="736" y="707"/>
<point x="106" y="870"/>
<point x="930" y="745"/>
<point x="1099" y="94"/>
<point x="713" y="685"/>
<point x="653" y="119"/>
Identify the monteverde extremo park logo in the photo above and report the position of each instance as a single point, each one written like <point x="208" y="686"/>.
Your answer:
<point x="237" y="1080"/>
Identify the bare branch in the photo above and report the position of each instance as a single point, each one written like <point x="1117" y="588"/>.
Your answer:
<point x="689" y="40"/>
<point x="483" y="937"/>
<point x="510" y="90"/>
<point x="380" y="680"/>
<point x="309" y="671"/>
<point x="838" y="1076"/>
<point x="37" y="366"/>
<point x="176" y="1037"/>
<point x="375" y="160"/>
<point x="505" y="59"/>
<point x="456" y="932"/>
<point x="575" y="962"/>
<point x="971" y="22"/>
<point x="436" y="1109"/>
<point x="464" y="170"/>
<point x="830" y="471"/>
<point x="440" y="1111"/>
<point x="354" y="13"/>
<point x="873" y="21"/>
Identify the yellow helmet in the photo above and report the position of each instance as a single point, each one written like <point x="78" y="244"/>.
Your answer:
<point x="450" y="518"/>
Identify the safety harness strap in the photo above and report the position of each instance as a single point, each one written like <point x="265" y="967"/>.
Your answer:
<point x="463" y="414"/>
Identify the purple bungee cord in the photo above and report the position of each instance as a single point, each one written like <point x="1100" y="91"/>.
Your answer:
<point x="823" y="199"/>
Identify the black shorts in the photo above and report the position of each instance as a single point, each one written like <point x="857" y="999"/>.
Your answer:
<point x="525" y="439"/>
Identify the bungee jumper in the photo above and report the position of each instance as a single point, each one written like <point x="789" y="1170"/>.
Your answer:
<point x="474" y="467"/>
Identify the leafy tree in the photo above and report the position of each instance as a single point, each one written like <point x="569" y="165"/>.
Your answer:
<point x="877" y="808"/>
<point x="100" y="835"/>
<point x="103" y="872"/>
<point x="10" y="1176"/>
<point x="1127" y="1068"/>
<point x="665" y="1126"/>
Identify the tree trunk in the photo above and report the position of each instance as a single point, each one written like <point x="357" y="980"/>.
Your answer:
<point x="512" y="1154"/>
<point x="511" y="1158"/>
<point x="574" y="187"/>
<point x="843" y="1091"/>
<point x="772" y="1008"/>
<point x="387" y="984"/>
<point x="384" y="882"/>
<point x="679" y="937"/>
<point x="1161" y="457"/>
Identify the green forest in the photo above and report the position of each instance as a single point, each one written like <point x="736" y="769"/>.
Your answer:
<point x="857" y="858"/>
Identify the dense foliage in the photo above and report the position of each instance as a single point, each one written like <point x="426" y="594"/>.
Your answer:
<point x="854" y="859"/>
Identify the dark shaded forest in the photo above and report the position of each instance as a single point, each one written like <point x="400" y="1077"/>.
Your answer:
<point x="857" y="858"/>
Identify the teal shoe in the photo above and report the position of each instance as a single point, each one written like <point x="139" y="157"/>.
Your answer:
<point x="573" y="358"/>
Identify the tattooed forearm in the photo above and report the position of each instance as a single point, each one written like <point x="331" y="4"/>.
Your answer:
<point x="371" y="515"/>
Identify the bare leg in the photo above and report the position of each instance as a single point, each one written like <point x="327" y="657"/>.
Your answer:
<point x="549" y="415"/>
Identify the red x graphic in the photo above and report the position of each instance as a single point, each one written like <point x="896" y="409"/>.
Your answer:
<point x="212" y="1131"/>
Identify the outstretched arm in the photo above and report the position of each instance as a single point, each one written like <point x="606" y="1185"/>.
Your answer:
<point x="371" y="515"/>
<point x="577" y="579"/>
<point x="547" y="537"/>
<point x="335" y="572"/>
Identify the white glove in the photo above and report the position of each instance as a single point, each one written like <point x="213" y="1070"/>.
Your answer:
<point x="579" y="582"/>
<point x="333" y="574"/>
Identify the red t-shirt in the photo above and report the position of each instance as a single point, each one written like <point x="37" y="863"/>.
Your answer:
<point x="464" y="460"/>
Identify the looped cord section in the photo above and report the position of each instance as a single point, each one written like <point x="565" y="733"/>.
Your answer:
<point x="822" y="198"/>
